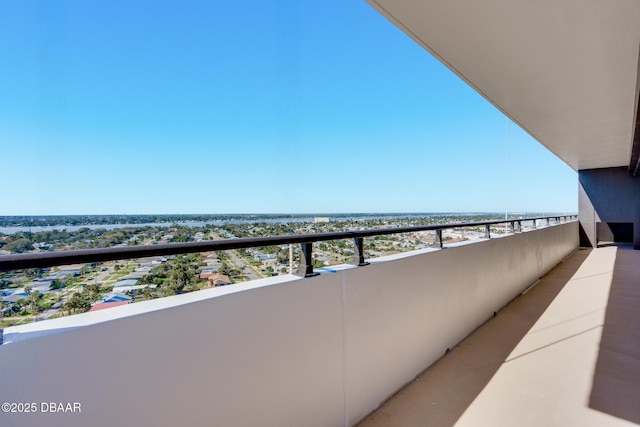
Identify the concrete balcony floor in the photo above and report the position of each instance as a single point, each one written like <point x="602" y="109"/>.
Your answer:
<point x="566" y="353"/>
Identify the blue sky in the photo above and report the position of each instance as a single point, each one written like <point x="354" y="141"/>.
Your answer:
<point x="250" y="106"/>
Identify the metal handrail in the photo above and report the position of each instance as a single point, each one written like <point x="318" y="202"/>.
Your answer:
<point x="84" y="256"/>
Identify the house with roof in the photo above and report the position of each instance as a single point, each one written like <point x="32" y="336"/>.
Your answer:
<point x="15" y="297"/>
<point x="7" y="292"/>
<point x="103" y="305"/>
<point x="116" y="297"/>
<point x="218" y="279"/>
<point x="124" y="283"/>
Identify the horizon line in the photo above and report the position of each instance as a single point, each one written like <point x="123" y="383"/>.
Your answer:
<point x="289" y="213"/>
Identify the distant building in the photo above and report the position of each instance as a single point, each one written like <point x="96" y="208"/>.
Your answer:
<point x="125" y="283"/>
<point x="64" y="273"/>
<point x="42" y="246"/>
<point x="15" y="297"/>
<point x="321" y="219"/>
<point x="114" y="297"/>
<point x="103" y="305"/>
<point x="218" y="279"/>
<point x="71" y="268"/>
<point x="261" y="256"/>
<point x="41" y="287"/>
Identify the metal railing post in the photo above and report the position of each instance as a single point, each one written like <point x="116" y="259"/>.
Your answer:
<point x="487" y="231"/>
<point x="438" y="241"/>
<point x="306" y="261"/>
<point x="519" y="226"/>
<point x="511" y="228"/>
<point x="358" y="252"/>
<point x="548" y="222"/>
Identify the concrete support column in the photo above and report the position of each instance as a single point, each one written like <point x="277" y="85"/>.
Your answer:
<point x="609" y="206"/>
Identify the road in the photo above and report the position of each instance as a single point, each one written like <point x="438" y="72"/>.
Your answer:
<point x="239" y="262"/>
<point x="66" y="293"/>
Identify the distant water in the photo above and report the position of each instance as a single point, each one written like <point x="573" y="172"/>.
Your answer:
<point x="219" y="222"/>
<point x="297" y="220"/>
<point x="35" y="229"/>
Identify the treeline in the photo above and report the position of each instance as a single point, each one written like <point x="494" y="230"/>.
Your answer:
<point x="83" y="238"/>
<point x="76" y="220"/>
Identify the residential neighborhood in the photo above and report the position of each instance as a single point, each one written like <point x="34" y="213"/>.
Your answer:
<point x="38" y="294"/>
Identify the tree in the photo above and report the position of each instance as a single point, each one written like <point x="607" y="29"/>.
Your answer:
<point x="78" y="303"/>
<point x="179" y="277"/>
<point x="4" y="306"/>
<point x="92" y="292"/>
<point x="18" y="246"/>
<point x="35" y="298"/>
<point x="20" y="305"/>
<point x="283" y="256"/>
<point x="224" y="269"/>
<point x="15" y="309"/>
<point x="56" y="284"/>
<point x="147" y="294"/>
<point x="70" y="280"/>
<point x="317" y="263"/>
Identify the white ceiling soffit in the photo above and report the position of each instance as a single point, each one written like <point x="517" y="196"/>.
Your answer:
<point x="564" y="70"/>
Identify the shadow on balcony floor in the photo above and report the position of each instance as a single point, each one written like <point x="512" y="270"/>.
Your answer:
<point x="616" y="381"/>
<point x="442" y="393"/>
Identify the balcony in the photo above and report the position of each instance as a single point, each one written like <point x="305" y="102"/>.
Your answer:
<point x="322" y="350"/>
<point x="328" y="350"/>
<point x="565" y="353"/>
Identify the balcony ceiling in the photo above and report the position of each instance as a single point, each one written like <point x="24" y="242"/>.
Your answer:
<point x="565" y="71"/>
